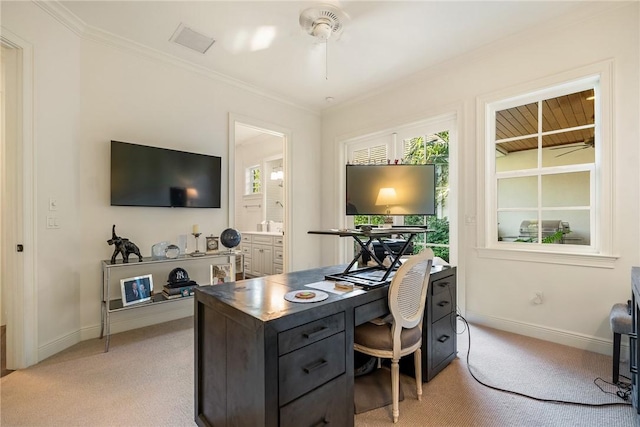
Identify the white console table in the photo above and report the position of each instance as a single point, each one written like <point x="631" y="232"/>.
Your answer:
<point x="161" y="268"/>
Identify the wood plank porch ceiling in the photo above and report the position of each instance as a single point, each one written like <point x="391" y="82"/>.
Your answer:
<point x="559" y="113"/>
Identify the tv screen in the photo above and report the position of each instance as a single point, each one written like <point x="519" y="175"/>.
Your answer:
<point x="400" y="189"/>
<point x="150" y="176"/>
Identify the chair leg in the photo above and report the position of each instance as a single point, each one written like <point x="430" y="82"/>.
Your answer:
<point x="417" y="361"/>
<point x="616" y="357"/>
<point x="395" y="389"/>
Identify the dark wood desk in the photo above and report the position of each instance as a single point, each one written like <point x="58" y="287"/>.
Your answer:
<point x="263" y="361"/>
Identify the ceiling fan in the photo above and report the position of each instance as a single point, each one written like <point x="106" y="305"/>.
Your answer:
<point x="323" y="21"/>
<point x="587" y="143"/>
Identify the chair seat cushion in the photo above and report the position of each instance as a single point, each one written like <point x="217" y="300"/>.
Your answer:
<point x="379" y="336"/>
<point x="620" y="319"/>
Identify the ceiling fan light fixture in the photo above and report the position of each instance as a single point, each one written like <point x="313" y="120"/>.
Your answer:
<point x="321" y="29"/>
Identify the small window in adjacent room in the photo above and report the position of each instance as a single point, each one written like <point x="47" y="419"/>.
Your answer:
<point x="253" y="180"/>
<point x="545" y="174"/>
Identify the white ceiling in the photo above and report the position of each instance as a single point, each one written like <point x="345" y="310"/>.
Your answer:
<point x="382" y="42"/>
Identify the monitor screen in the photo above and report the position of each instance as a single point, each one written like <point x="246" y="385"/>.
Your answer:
<point x="392" y="189"/>
<point x="150" y="176"/>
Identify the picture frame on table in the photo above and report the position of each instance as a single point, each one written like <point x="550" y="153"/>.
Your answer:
<point x="136" y="289"/>
<point x="222" y="273"/>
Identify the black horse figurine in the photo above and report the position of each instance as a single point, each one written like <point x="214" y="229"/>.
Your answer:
<point x="123" y="247"/>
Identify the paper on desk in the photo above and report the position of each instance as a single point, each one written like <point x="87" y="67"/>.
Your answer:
<point x="329" y="286"/>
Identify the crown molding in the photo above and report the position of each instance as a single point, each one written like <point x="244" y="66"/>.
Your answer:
<point x="88" y="32"/>
<point x="63" y="16"/>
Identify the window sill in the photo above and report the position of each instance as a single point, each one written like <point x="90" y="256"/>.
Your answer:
<point x="574" y="259"/>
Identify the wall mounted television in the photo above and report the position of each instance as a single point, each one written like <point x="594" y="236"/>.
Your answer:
<point x="414" y="189"/>
<point x="150" y="176"/>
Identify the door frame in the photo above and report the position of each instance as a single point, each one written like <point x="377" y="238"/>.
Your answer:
<point x="271" y="129"/>
<point x="20" y="287"/>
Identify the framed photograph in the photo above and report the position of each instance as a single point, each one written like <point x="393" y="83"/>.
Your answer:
<point x="136" y="289"/>
<point x="221" y="274"/>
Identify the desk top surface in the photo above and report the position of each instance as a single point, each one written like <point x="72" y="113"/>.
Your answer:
<point x="376" y="232"/>
<point x="263" y="297"/>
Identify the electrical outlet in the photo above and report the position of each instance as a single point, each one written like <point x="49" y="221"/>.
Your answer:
<point x="537" y="298"/>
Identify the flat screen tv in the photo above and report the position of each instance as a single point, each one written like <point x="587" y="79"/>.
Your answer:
<point x="392" y="189"/>
<point x="150" y="176"/>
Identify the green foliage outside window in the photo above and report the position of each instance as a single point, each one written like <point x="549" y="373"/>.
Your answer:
<point x="434" y="151"/>
<point x="256" y="181"/>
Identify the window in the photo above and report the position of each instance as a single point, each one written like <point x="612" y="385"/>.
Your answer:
<point x="416" y="145"/>
<point x="253" y="180"/>
<point x="432" y="148"/>
<point x="544" y="169"/>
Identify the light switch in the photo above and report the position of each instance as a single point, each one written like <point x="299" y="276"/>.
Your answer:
<point x="53" y="204"/>
<point x="52" y="222"/>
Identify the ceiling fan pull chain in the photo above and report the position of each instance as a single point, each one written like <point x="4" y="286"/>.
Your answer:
<point x="326" y="59"/>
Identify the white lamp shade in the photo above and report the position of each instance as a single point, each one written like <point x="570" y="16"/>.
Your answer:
<point x="386" y="196"/>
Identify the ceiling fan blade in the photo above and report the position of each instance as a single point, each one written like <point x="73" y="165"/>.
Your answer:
<point x="573" y="151"/>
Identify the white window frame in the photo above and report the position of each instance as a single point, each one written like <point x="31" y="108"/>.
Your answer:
<point x="248" y="179"/>
<point x="601" y="251"/>
<point x="392" y="138"/>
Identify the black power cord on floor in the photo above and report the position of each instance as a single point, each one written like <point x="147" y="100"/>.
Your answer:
<point x="624" y="390"/>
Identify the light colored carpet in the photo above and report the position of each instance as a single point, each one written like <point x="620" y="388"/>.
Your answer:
<point x="146" y="379"/>
<point x="373" y="390"/>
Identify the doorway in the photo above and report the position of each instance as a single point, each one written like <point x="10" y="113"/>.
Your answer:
<point x="258" y="180"/>
<point x="17" y="241"/>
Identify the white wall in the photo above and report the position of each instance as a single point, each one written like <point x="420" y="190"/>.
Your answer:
<point x="495" y="291"/>
<point x="87" y="93"/>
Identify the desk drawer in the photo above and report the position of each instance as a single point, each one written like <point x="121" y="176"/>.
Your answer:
<point x="325" y="405"/>
<point x="442" y="285"/>
<point x="364" y="313"/>
<point x="443" y="339"/>
<point x="303" y="370"/>
<point x="309" y="333"/>
<point x="441" y="305"/>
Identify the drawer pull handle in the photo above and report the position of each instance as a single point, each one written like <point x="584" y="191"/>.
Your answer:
<point x="443" y="303"/>
<point x="443" y="338"/>
<point x="443" y="284"/>
<point x="311" y="335"/>
<point x="310" y="368"/>
<point x="322" y="423"/>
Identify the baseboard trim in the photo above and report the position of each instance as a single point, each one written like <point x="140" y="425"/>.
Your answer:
<point x="559" y="336"/>
<point x="120" y="322"/>
<point x="58" y="345"/>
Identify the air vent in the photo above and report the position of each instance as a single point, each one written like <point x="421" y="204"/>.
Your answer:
<point x="192" y="39"/>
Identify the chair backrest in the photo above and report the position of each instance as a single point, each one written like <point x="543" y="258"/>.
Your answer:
<point x="408" y="294"/>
